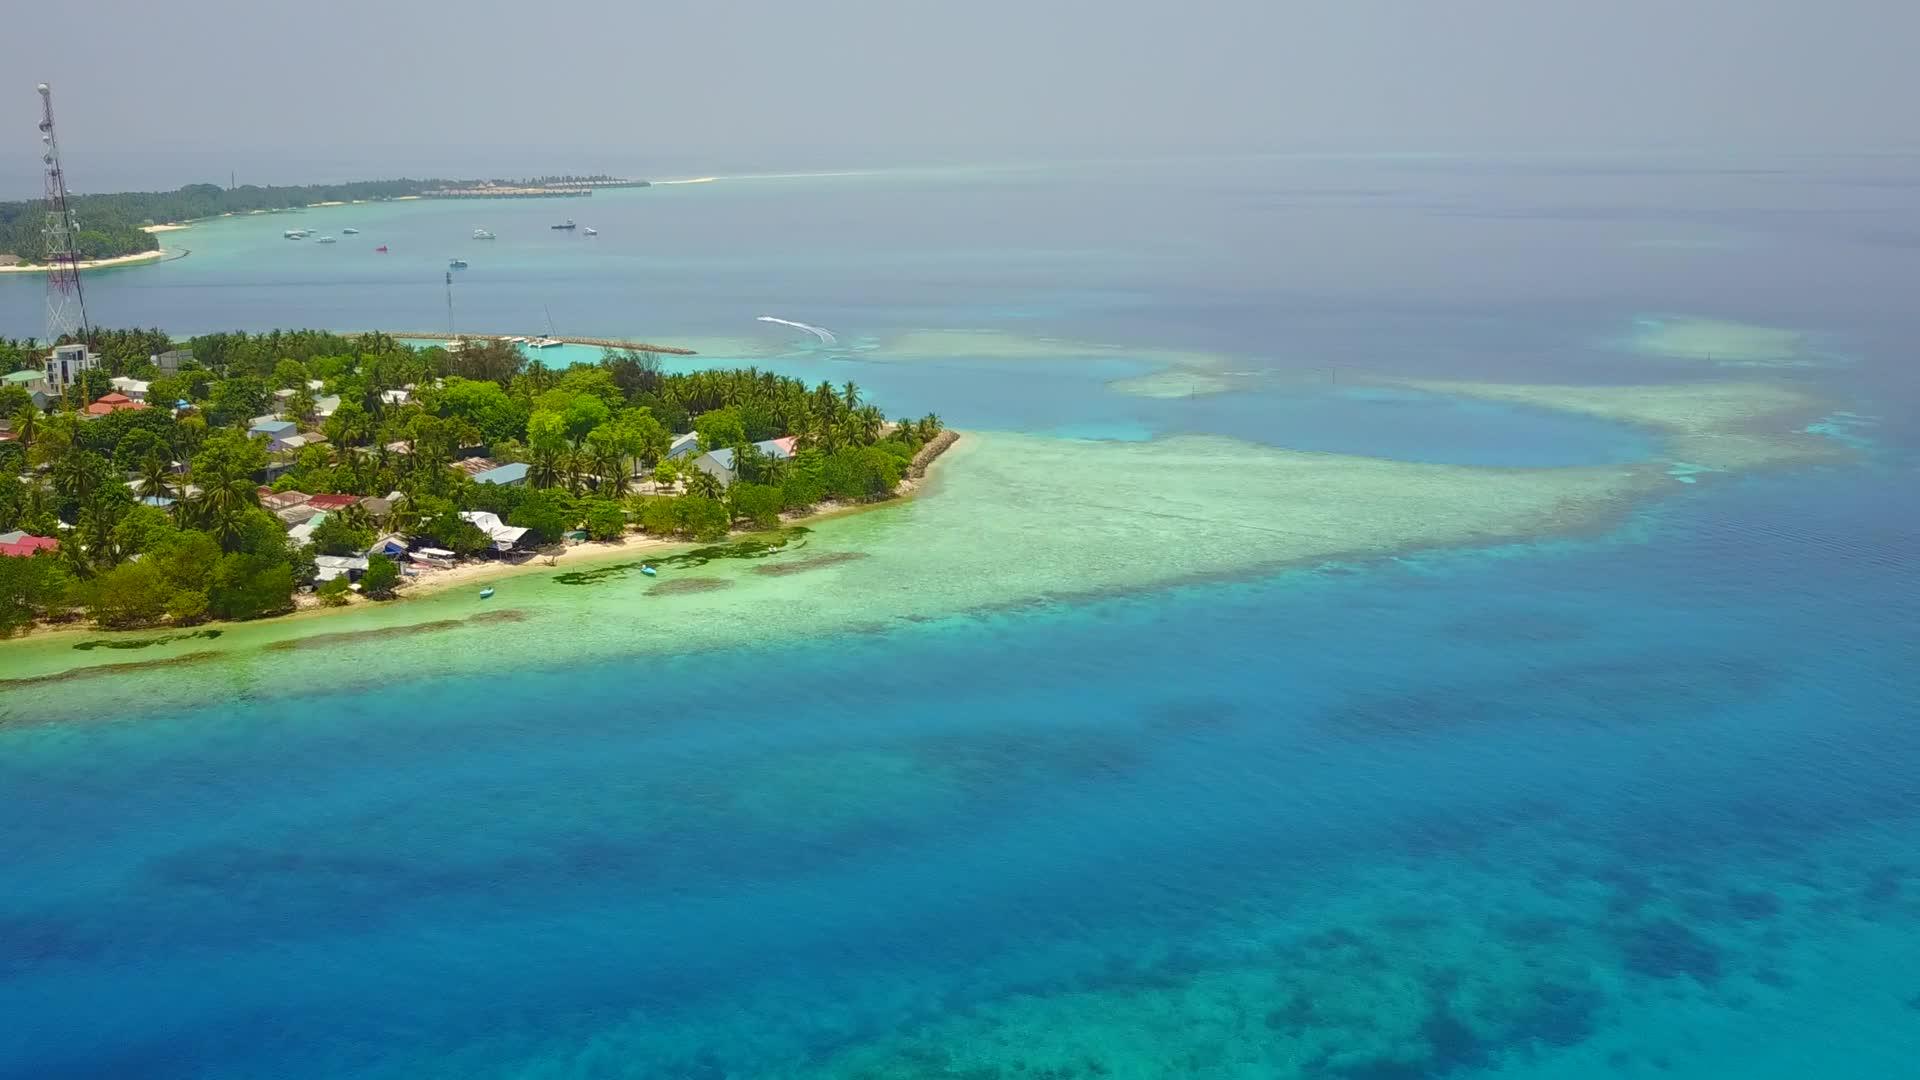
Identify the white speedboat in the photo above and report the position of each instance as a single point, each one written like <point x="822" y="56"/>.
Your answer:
<point x="591" y="231"/>
<point x="482" y="234"/>
<point x="326" y="240"/>
<point x="349" y="232"/>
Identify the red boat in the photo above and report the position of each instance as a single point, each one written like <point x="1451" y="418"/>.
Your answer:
<point x="382" y="249"/>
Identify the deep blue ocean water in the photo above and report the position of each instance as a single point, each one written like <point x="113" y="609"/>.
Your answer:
<point x="1642" y="803"/>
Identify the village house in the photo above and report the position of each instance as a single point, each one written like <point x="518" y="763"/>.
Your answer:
<point x="328" y="567"/>
<point x="113" y="403"/>
<point x="19" y="544"/>
<point x="504" y="536"/>
<point x="275" y="431"/>
<point x="719" y="463"/>
<point x="135" y="389"/>
<point x="510" y="475"/>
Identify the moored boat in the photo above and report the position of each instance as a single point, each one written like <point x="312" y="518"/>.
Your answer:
<point x="326" y="240"/>
<point x="457" y="264"/>
<point x="486" y="592"/>
<point x="544" y="343"/>
<point x="568" y="224"/>
<point x="591" y="231"/>
<point x="349" y="232"/>
<point x="482" y="234"/>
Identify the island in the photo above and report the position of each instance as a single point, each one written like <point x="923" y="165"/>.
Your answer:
<point x="115" y="226"/>
<point x="149" y="483"/>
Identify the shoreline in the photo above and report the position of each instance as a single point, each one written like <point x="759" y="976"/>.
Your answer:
<point x="434" y="582"/>
<point x="156" y="255"/>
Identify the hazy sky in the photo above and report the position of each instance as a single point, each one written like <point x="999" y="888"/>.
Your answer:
<point x="161" y="93"/>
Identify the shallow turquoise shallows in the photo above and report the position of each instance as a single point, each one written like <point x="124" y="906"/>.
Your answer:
<point x="1634" y="792"/>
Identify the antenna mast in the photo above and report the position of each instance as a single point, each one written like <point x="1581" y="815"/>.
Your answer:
<point x="66" y="303"/>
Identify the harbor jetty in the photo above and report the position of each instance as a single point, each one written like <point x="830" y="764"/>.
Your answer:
<point x="604" y="343"/>
<point x="555" y="189"/>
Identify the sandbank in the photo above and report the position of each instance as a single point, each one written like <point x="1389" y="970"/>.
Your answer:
<point x="1172" y="383"/>
<point x="998" y="345"/>
<point x="1719" y="341"/>
<point x="1720" y="425"/>
<point x="169" y="227"/>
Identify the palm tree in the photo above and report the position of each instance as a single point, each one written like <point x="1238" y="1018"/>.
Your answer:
<point x="26" y="428"/>
<point x="850" y="394"/>
<point x="155" y="475"/>
<point x="226" y="494"/>
<point x="704" y="484"/>
<point x="403" y="518"/>
<point x="867" y="422"/>
<point x="611" y="466"/>
<point x="543" y="467"/>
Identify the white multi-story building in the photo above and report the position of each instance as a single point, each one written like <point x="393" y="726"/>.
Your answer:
<point x="65" y="364"/>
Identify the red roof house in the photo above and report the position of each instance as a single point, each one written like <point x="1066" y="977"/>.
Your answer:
<point x="332" y="502"/>
<point x="23" y="544"/>
<point x="112" y="403"/>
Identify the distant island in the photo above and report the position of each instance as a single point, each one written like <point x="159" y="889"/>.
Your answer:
<point x="145" y="482"/>
<point x="115" y="226"/>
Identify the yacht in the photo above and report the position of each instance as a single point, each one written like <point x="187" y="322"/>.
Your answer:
<point x="297" y="234"/>
<point x="349" y="232"/>
<point x="544" y="343"/>
<point x="568" y="224"/>
<point x="482" y="234"/>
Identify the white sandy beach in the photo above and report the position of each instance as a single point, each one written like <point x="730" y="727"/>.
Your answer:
<point x="89" y="264"/>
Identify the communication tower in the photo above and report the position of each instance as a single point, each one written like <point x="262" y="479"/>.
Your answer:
<point x="66" y="303"/>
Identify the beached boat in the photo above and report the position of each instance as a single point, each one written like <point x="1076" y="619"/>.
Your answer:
<point x="482" y="234"/>
<point x="349" y="232"/>
<point x="568" y="224"/>
<point x="326" y="240"/>
<point x="456" y="264"/>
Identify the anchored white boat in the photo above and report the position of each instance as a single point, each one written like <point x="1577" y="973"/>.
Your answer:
<point x="482" y="234"/>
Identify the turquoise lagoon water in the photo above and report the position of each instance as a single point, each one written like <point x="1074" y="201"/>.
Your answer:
<point x="1639" y="803"/>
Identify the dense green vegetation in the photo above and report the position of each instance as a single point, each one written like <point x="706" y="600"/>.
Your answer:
<point x="110" y="224"/>
<point x="159" y="513"/>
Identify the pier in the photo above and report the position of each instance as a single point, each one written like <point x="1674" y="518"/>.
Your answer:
<point x="604" y="343"/>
